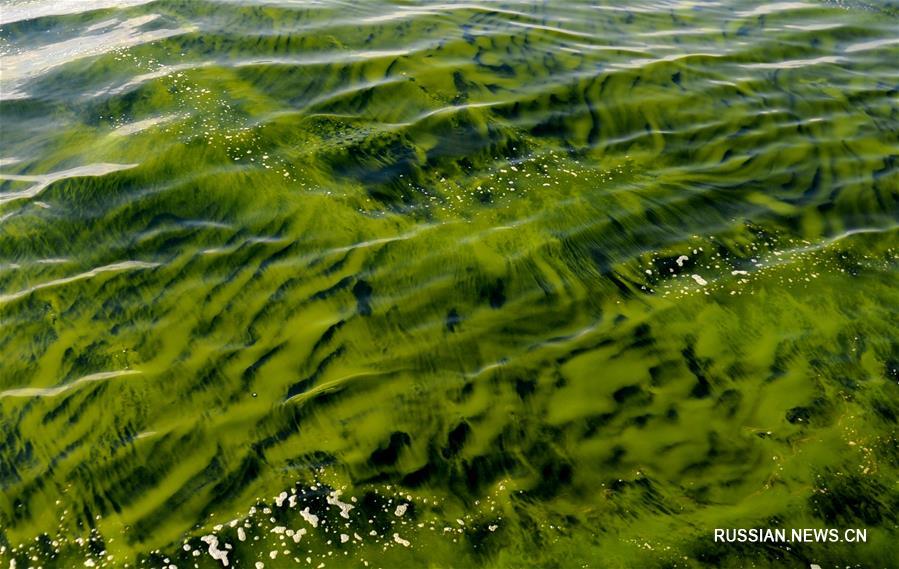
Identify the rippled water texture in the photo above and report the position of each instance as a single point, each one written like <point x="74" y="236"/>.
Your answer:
<point x="375" y="284"/>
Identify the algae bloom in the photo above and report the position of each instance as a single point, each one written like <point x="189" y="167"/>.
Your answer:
<point x="491" y="284"/>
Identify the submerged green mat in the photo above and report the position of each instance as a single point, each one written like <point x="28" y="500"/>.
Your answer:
<point x="371" y="284"/>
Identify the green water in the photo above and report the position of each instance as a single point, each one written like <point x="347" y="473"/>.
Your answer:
<point x="495" y="284"/>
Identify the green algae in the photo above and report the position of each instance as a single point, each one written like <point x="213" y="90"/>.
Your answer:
<point x="575" y="284"/>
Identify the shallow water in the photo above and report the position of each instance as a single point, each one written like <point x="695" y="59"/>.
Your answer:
<point x="450" y="285"/>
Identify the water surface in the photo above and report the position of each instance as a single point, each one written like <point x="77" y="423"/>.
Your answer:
<point x="404" y="284"/>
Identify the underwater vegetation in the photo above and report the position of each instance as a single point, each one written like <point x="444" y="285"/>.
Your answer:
<point x="406" y="284"/>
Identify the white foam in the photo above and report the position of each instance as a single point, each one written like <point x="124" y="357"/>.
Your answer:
<point x="334" y="500"/>
<point x="214" y="550"/>
<point x="309" y="517"/>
